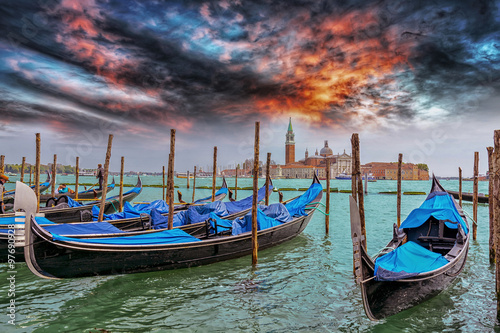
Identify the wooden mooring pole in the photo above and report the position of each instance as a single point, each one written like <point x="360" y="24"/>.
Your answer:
<point x="255" y="243"/>
<point x="105" y="179"/>
<point x="398" y="204"/>
<point x="194" y="182"/>
<point x="54" y="172"/>
<point x="37" y="171"/>
<point x="359" y="185"/>
<point x="268" y="176"/>
<point x="77" y="175"/>
<point x="460" y="186"/>
<point x="23" y="165"/>
<point x="171" y="180"/>
<point x="327" y="215"/>
<point x="496" y="214"/>
<point x="2" y="164"/>
<point x="214" y="176"/>
<point x="188" y="175"/>
<point x="163" y="186"/>
<point x="31" y="173"/>
<point x="236" y="183"/>
<point x="121" y="183"/>
<point x="491" y="205"/>
<point x="475" y="198"/>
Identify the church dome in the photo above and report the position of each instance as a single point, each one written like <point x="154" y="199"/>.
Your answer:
<point x="326" y="151"/>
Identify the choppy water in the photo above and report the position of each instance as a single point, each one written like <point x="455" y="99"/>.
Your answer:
<point x="303" y="285"/>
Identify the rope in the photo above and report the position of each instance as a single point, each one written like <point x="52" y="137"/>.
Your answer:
<point x="469" y="217"/>
<point x="319" y="210"/>
<point x="313" y="203"/>
<point x="380" y="251"/>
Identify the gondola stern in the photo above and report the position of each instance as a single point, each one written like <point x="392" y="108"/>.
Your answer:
<point x="26" y="200"/>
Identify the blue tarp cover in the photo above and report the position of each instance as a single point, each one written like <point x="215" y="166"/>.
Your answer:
<point x="410" y="259"/>
<point x="441" y="206"/>
<point x="193" y="214"/>
<point x="10" y="220"/>
<point x="130" y="211"/>
<point x="156" y="238"/>
<point x="73" y="203"/>
<point x="297" y="206"/>
<point x="237" y="206"/>
<point x="267" y="217"/>
<point x="83" y="228"/>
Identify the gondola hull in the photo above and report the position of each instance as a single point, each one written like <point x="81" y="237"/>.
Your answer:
<point x="382" y="299"/>
<point x="65" y="260"/>
<point x="85" y="195"/>
<point x="466" y="196"/>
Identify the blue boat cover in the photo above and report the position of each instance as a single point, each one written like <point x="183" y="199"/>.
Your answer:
<point x="156" y="238"/>
<point x="130" y="211"/>
<point x="237" y="206"/>
<point x="220" y="191"/>
<point x="10" y="220"/>
<point x="441" y="206"/>
<point x="193" y="214"/>
<point x="267" y="217"/>
<point x="409" y="259"/>
<point x="297" y="206"/>
<point x="73" y="203"/>
<point x="83" y="228"/>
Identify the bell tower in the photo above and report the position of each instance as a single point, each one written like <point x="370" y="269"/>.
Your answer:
<point x="290" y="144"/>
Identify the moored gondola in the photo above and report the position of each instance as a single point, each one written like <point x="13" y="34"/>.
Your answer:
<point x="83" y="195"/>
<point x="51" y="256"/>
<point x="467" y="196"/>
<point x="9" y="196"/>
<point x="426" y="254"/>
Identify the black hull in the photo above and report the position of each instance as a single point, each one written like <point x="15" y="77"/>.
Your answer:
<point x="67" y="260"/>
<point x="9" y="196"/>
<point x="382" y="299"/>
<point x="466" y="196"/>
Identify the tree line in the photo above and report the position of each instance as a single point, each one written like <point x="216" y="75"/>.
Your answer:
<point x="16" y="168"/>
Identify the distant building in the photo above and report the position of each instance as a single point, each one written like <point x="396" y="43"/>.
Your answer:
<point x="306" y="167"/>
<point x="386" y="170"/>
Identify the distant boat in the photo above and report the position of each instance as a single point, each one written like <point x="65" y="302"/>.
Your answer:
<point x="86" y="173"/>
<point x="184" y="175"/>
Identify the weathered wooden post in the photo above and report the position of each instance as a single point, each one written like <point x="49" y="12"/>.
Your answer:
<point x="77" y="175"/>
<point x="491" y="205"/>
<point x="327" y="215"/>
<point x="475" y="198"/>
<point x="163" y="186"/>
<point x="366" y="183"/>
<point x="23" y="165"/>
<point x="54" y="172"/>
<point x="171" y="180"/>
<point x="31" y="173"/>
<point x="2" y="164"/>
<point x="188" y="175"/>
<point x="359" y="185"/>
<point x="460" y="186"/>
<point x="496" y="213"/>
<point x="105" y="179"/>
<point x="268" y="176"/>
<point x="236" y="183"/>
<point x="354" y="181"/>
<point x="398" y="208"/>
<point x="255" y="243"/>
<point x="214" y="176"/>
<point x="121" y="183"/>
<point x="37" y="172"/>
<point x="194" y="182"/>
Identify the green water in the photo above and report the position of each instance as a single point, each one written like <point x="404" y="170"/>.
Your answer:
<point x="303" y="285"/>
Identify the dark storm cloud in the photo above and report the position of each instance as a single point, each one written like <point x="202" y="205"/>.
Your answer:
<point x="182" y="63"/>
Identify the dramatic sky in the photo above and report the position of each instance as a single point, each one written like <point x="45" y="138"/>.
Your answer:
<point x="416" y="77"/>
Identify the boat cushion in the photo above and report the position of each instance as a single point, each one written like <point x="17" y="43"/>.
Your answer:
<point x="157" y="238"/>
<point x="409" y="259"/>
<point x="441" y="206"/>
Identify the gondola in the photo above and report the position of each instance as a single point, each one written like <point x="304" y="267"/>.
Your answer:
<point x="50" y="256"/>
<point x="9" y="196"/>
<point x="83" y="213"/>
<point x="467" y="196"/>
<point x="83" y="195"/>
<point x="219" y="195"/>
<point x="142" y="224"/>
<point x="426" y="254"/>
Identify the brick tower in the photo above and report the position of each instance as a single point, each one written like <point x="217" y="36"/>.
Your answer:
<point x="290" y="144"/>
